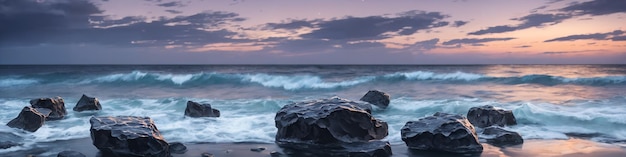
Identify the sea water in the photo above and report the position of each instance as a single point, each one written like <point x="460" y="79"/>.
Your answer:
<point x="549" y="101"/>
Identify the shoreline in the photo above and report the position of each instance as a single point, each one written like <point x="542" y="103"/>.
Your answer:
<point x="534" y="147"/>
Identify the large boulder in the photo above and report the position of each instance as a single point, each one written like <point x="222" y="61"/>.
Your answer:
<point x="500" y="137"/>
<point x="441" y="132"/>
<point x="56" y="105"/>
<point x="8" y="140"/>
<point x="336" y="127"/>
<point x="377" y="98"/>
<point x="485" y="116"/>
<point x="87" y="103"/>
<point x="128" y="136"/>
<point x="29" y="119"/>
<point x="195" y="109"/>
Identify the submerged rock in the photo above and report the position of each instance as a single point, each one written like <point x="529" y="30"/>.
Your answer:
<point x="331" y="127"/>
<point x="128" y="136"/>
<point x="377" y="98"/>
<point x="70" y="154"/>
<point x="441" y="132"/>
<point x="29" y="119"/>
<point x="484" y="116"/>
<point x="195" y="109"/>
<point x="87" y="103"/>
<point x="8" y="140"/>
<point x="500" y="137"/>
<point x="55" y="105"/>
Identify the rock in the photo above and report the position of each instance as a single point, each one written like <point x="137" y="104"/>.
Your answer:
<point x="441" y="132"/>
<point x="177" y="148"/>
<point x="487" y="115"/>
<point x="500" y="137"/>
<point x="70" y="154"/>
<point x="195" y="109"/>
<point x="29" y="119"/>
<point x="331" y="127"/>
<point x="128" y="136"/>
<point x="205" y="154"/>
<point x="275" y="154"/>
<point x="8" y="140"/>
<point x="377" y="98"/>
<point x="56" y="105"/>
<point x="87" y="103"/>
<point x="259" y="149"/>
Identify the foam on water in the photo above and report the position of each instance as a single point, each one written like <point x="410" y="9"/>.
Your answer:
<point x="9" y="82"/>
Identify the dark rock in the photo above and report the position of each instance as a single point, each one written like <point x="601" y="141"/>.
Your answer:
<point x="276" y="154"/>
<point x="128" y="136"/>
<point x="195" y="109"/>
<point x="487" y="115"/>
<point x="87" y="103"/>
<point x="70" y="154"/>
<point x="29" y="119"/>
<point x="500" y="137"/>
<point x="8" y="140"/>
<point x="259" y="149"/>
<point x="441" y="132"/>
<point x="177" y="148"/>
<point x="56" y="105"/>
<point x="332" y="127"/>
<point x="205" y="154"/>
<point x="377" y="98"/>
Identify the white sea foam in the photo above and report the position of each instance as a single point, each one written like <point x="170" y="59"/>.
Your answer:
<point x="132" y="76"/>
<point x="8" y="82"/>
<point x="299" y="81"/>
<point x="427" y="75"/>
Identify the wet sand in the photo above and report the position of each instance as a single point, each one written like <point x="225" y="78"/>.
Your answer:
<point x="545" y="148"/>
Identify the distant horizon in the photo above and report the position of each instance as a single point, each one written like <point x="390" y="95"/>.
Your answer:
<point x="312" y="32"/>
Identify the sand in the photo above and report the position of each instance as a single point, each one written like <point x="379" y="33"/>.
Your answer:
<point x="546" y="148"/>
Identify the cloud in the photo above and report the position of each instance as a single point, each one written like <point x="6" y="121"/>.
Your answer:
<point x="595" y="36"/>
<point x="619" y="38"/>
<point x="293" y="24"/>
<point x="473" y="41"/>
<point x="172" y="4"/>
<point x="369" y="28"/>
<point x="523" y="46"/>
<point x="597" y="7"/>
<point x="459" y="23"/>
<point x="173" y="11"/>
<point x="528" y="21"/>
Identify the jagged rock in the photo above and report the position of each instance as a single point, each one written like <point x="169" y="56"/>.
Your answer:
<point x="441" y="132"/>
<point x="500" y="137"/>
<point x="377" y="98"/>
<point x="8" y="140"/>
<point x="87" y="103"/>
<point x="70" y="154"/>
<point x="128" y="136"/>
<point x="484" y="116"/>
<point x="332" y="127"/>
<point x="29" y="119"/>
<point x="178" y="148"/>
<point x="195" y="109"/>
<point x="56" y="105"/>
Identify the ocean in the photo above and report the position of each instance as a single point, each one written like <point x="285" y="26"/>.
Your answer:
<point x="549" y="101"/>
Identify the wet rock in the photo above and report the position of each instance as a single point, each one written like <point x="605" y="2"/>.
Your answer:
<point x="177" y="148"/>
<point x="259" y="149"/>
<point x="8" y="140"/>
<point x="128" y="136"/>
<point x="484" y="116"/>
<point x="56" y="105"/>
<point x="29" y="119"/>
<point x="377" y="98"/>
<point x="87" y="103"/>
<point x="501" y="137"/>
<point x="205" y="154"/>
<point x="70" y="154"/>
<point x="195" y="109"/>
<point x="276" y="154"/>
<point x="331" y="127"/>
<point x="441" y="132"/>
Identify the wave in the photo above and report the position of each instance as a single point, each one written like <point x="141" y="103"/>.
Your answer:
<point x="312" y="81"/>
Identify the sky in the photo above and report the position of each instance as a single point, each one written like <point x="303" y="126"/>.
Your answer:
<point x="312" y="32"/>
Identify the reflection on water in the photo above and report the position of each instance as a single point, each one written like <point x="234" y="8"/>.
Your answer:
<point x="571" y="147"/>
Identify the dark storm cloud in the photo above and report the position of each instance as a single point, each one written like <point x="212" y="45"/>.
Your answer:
<point x="532" y="20"/>
<point x="27" y="23"/>
<point x="172" y="4"/>
<point x="597" y="7"/>
<point x="367" y="28"/>
<point x="473" y="41"/>
<point x="595" y="36"/>
<point x="459" y="23"/>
